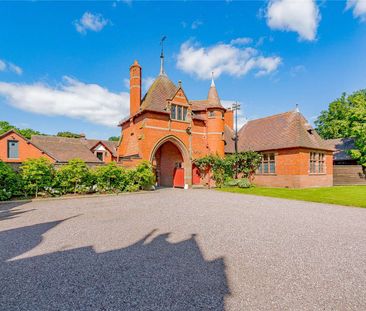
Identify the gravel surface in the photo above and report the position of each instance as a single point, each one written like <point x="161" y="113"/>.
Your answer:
<point x="182" y="250"/>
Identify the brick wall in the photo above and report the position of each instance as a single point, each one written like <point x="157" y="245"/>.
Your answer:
<point x="292" y="170"/>
<point x="26" y="149"/>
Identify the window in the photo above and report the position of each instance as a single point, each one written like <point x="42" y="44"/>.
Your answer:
<point x="317" y="163"/>
<point x="211" y="114"/>
<point x="13" y="149"/>
<point x="268" y="164"/>
<point x="100" y="156"/>
<point x="178" y="112"/>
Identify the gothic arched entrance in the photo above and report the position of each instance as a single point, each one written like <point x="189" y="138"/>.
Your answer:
<point x="171" y="163"/>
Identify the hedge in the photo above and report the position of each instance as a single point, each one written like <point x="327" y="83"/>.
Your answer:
<point x="39" y="177"/>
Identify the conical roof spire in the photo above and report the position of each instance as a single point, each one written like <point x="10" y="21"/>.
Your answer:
<point x="212" y="79"/>
<point x="213" y="96"/>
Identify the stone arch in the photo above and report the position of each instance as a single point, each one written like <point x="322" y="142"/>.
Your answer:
<point x="187" y="163"/>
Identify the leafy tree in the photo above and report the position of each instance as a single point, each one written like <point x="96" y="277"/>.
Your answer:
<point x="114" y="138"/>
<point x="74" y="177"/>
<point x="37" y="175"/>
<point x="346" y="117"/>
<point x="10" y="183"/>
<point x="27" y="132"/>
<point x="69" y="134"/>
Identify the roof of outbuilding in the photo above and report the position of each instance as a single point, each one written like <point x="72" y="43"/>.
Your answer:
<point x="229" y="136"/>
<point x="64" y="149"/>
<point x="342" y="146"/>
<point x="280" y="131"/>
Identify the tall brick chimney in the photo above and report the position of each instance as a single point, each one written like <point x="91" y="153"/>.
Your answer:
<point x="229" y="118"/>
<point x="135" y="88"/>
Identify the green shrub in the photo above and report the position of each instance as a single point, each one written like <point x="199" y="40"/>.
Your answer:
<point x="75" y="177"/>
<point x="37" y="175"/>
<point x="10" y="183"/>
<point x="143" y="176"/>
<point x="111" y="178"/>
<point x="232" y="182"/>
<point x="244" y="183"/>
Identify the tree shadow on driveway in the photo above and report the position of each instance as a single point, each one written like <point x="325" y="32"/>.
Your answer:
<point x="156" y="275"/>
<point x="10" y="210"/>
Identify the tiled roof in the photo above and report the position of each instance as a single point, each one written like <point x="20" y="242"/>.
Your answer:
<point x="229" y="136"/>
<point x="64" y="149"/>
<point x="285" y="130"/>
<point x="199" y="105"/>
<point x="159" y="92"/>
<point x="341" y="146"/>
<point x="110" y="145"/>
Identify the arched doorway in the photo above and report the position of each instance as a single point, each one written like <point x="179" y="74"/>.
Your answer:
<point x="171" y="162"/>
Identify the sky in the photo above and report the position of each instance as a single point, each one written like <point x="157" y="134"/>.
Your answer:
<point x="64" y="66"/>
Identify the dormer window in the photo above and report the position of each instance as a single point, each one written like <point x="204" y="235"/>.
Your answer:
<point x="178" y="112"/>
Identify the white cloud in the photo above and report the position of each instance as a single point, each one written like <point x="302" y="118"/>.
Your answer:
<point x="241" y="117"/>
<point x="359" y="8"/>
<point x="7" y="66"/>
<point x="296" y="70"/>
<point x="90" y="21"/>
<point x="241" y="41"/>
<point x="146" y="83"/>
<point x="71" y="98"/>
<point x="2" y="65"/>
<point x="196" y="24"/>
<point x="223" y="59"/>
<point x="301" y="16"/>
<point x="15" y="68"/>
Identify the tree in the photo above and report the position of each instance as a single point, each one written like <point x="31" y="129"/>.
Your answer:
<point x="27" y="132"/>
<point x="69" y="134"/>
<point x="346" y="117"/>
<point x="114" y="138"/>
<point x="37" y="175"/>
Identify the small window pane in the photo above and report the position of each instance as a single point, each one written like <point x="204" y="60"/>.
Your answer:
<point x="179" y="112"/>
<point x="265" y="167"/>
<point x="272" y="168"/>
<point x="184" y="114"/>
<point x="172" y="112"/>
<point x="13" y="149"/>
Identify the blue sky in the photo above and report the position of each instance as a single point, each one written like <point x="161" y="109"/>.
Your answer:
<point x="63" y="65"/>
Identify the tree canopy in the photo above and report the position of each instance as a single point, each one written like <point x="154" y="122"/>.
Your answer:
<point x="27" y="132"/>
<point x="114" y="138"/>
<point x="346" y="117"/>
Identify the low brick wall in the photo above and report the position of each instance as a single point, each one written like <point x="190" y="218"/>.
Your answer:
<point x="294" y="181"/>
<point x="348" y="175"/>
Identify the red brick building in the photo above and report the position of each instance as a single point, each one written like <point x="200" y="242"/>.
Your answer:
<point x="168" y="129"/>
<point x="14" y="148"/>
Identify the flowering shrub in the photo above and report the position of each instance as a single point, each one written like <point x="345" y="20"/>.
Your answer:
<point x="10" y="182"/>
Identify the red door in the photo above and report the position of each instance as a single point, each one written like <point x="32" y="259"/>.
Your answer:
<point x="196" y="176"/>
<point x="178" y="177"/>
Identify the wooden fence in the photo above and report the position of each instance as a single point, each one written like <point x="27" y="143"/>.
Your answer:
<point x="348" y="175"/>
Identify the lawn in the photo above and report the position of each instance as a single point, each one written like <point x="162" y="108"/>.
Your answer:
<point x="342" y="195"/>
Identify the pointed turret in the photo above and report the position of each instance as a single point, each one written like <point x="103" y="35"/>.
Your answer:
<point x="213" y="96"/>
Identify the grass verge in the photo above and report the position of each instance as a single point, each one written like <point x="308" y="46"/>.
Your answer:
<point x="342" y="195"/>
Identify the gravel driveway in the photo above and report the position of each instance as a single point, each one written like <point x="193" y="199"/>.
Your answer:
<point x="182" y="250"/>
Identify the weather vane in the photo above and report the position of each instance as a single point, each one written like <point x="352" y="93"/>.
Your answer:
<point x="162" y="71"/>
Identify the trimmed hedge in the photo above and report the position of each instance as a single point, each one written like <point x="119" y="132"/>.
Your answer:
<point x="38" y="177"/>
